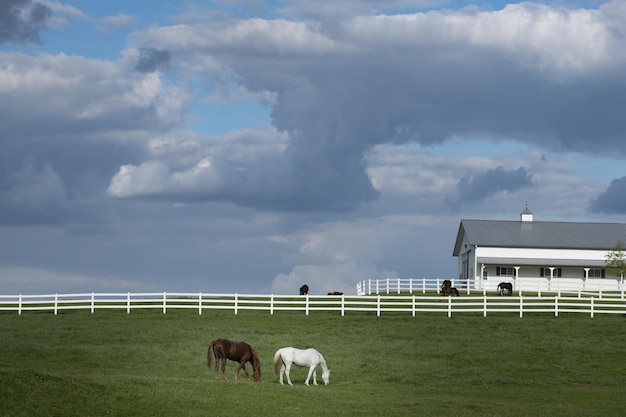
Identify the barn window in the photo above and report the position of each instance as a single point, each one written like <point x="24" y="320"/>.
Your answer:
<point x="596" y="273"/>
<point x="504" y="271"/>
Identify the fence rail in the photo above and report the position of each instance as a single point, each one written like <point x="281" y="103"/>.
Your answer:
<point x="378" y="304"/>
<point x="577" y="287"/>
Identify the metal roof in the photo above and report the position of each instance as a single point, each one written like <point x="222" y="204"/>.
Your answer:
<point x="540" y="234"/>
<point x="534" y="261"/>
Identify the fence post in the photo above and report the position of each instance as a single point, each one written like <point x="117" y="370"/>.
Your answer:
<point x="413" y="305"/>
<point x="343" y="305"/>
<point x="591" y="307"/>
<point x="128" y="303"/>
<point x="410" y="285"/>
<point x="306" y="304"/>
<point x="378" y="306"/>
<point x="521" y="308"/>
<point x="398" y="285"/>
<point x="556" y="306"/>
<point x="484" y="305"/>
<point x="56" y="303"/>
<point x="271" y="304"/>
<point x="200" y="303"/>
<point x="19" y="305"/>
<point x="449" y="306"/>
<point x="423" y="285"/>
<point x="235" y="304"/>
<point x="93" y="302"/>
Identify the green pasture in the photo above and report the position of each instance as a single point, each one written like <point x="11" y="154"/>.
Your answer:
<point x="149" y="364"/>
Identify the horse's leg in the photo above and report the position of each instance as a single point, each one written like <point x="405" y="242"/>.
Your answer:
<point x="224" y="368"/>
<point x="282" y="371"/>
<point x="280" y="374"/>
<point x="311" y="372"/>
<point x="217" y="367"/>
<point x="242" y="365"/>
<point x="315" y="376"/>
<point x="237" y="372"/>
<point x="287" y="368"/>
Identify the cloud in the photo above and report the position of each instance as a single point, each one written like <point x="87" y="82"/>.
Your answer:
<point x="22" y="20"/>
<point x="612" y="200"/>
<point x="68" y="93"/>
<point x="481" y="186"/>
<point x="528" y="73"/>
<point x="151" y="58"/>
<point x="121" y="20"/>
<point x="37" y="194"/>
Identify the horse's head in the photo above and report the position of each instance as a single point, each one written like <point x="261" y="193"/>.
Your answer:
<point x="256" y="373"/>
<point x="326" y="376"/>
<point x="256" y="365"/>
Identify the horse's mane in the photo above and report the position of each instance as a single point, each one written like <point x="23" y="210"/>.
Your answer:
<point x="256" y="364"/>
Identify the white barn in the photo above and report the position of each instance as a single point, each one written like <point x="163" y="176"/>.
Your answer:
<point x="537" y="255"/>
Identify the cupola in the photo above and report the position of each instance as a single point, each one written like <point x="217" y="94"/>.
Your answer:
<point x="526" y="215"/>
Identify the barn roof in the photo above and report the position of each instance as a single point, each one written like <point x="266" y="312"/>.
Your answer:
<point x="540" y="234"/>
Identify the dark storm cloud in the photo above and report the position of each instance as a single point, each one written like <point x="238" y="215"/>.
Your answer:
<point x="613" y="200"/>
<point x="150" y="59"/>
<point x="22" y="20"/>
<point x="549" y="77"/>
<point x="479" y="187"/>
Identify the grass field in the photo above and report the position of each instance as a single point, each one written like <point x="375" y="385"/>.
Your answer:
<point x="149" y="364"/>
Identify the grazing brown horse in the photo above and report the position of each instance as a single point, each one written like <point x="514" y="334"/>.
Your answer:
<point x="448" y="289"/>
<point x="235" y="351"/>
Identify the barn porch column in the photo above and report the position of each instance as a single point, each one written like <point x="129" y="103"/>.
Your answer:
<point x="482" y="277"/>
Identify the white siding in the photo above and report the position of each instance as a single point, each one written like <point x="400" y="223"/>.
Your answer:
<point x="541" y="253"/>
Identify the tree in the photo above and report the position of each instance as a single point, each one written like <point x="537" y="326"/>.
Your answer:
<point x="615" y="260"/>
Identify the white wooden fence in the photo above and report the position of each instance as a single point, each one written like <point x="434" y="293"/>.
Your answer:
<point x="537" y="286"/>
<point x="399" y="285"/>
<point x="378" y="304"/>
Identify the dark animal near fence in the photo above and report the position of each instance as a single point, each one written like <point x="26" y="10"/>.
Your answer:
<point x="505" y="286"/>
<point x="241" y="352"/>
<point x="304" y="290"/>
<point x="448" y="289"/>
<point x="335" y="293"/>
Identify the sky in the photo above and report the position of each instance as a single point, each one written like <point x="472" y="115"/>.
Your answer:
<point x="251" y="146"/>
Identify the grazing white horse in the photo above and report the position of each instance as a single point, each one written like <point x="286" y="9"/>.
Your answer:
<point x="300" y="357"/>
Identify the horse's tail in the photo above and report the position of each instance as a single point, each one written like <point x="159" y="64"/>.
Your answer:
<point x="208" y="354"/>
<point x="277" y="361"/>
